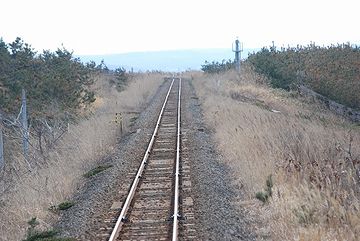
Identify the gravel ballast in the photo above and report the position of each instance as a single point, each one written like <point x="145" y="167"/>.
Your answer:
<point x="212" y="191"/>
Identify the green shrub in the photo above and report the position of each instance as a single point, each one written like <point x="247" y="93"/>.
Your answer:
<point x="45" y="235"/>
<point x="65" y="205"/>
<point x="269" y="185"/>
<point x="121" y="79"/>
<point x="332" y="71"/>
<point x="54" y="81"/>
<point x="262" y="196"/>
<point x="305" y="215"/>
<point x="35" y="235"/>
<point x="96" y="170"/>
<point x="265" y="195"/>
<point x="217" y="67"/>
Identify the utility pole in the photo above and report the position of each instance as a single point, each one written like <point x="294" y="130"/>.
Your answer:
<point x="24" y="124"/>
<point x="238" y="49"/>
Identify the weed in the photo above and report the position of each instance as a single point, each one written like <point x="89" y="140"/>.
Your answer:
<point x="33" y="222"/>
<point x="96" y="170"/>
<point x="65" y="205"/>
<point x="45" y="235"/>
<point x="262" y="105"/>
<point x="305" y="215"/>
<point x="132" y="120"/>
<point x="323" y="120"/>
<point x="264" y="196"/>
<point x="294" y="94"/>
<point x="269" y="185"/>
<point x="35" y="235"/>
<point x="32" y="225"/>
<point x="303" y="116"/>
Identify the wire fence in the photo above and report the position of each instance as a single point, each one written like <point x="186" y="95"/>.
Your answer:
<point x="19" y="131"/>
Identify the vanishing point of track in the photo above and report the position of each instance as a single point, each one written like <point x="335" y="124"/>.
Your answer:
<point x="151" y="210"/>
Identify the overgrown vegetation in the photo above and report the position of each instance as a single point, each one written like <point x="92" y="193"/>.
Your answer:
<point x="96" y="170"/>
<point x="63" y="144"/>
<point x="312" y="153"/>
<point x="65" y="205"/>
<point x="121" y="79"/>
<point x="217" y="67"/>
<point x="59" y="91"/>
<point x="332" y="71"/>
<point x="57" y="87"/>
<point x="55" y="82"/>
<point x="34" y="235"/>
<point x="265" y="195"/>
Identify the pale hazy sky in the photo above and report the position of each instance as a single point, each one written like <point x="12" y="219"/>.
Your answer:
<point x="117" y="26"/>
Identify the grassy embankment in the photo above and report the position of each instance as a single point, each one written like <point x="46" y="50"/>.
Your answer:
<point x="90" y="140"/>
<point x="85" y="103"/>
<point x="311" y="154"/>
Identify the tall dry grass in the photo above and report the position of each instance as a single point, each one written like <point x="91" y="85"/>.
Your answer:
<point x="92" y="139"/>
<point x="312" y="155"/>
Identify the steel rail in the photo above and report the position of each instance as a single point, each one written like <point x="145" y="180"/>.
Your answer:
<point x="177" y="171"/>
<point x="119" y="222"/>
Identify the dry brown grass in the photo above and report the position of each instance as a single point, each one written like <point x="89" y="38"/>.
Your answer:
<point x="304" y="146"/>
<point x="82" y="147"/>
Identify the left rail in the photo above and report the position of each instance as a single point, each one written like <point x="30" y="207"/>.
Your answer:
<point x="129" y="198"/>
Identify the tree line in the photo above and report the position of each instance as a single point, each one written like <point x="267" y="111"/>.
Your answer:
<point x="55" y="82"/>
<point x="58" y="90"/>
<point x="217" y="67"/>
<point x="332" y="71"/>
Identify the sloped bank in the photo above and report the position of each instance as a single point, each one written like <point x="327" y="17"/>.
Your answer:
<point x="213" y="191"/>
<point x="94" y="199"/>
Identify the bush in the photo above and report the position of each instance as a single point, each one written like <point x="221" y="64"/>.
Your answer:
<point x="121" y="79"/>
<point x="54" y="82"/>
<point x="217" y="67"/>
<point x="65" y="205"/>
<point x="57" y="89"/>
<point x="332" y="71"/>
<point x="264" y="196"/>
<point x="35" y="235"/>
<point x="96" y="170"/>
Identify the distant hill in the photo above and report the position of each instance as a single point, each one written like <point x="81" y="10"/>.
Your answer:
<point x="173" y="60"/>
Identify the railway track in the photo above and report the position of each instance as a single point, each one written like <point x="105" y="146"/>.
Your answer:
<point x="158" y="205"/>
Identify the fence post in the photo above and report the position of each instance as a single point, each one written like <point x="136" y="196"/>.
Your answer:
<point x="2" y="160"/>
<point x="24" y="124"/>
<point x="119" y="121"/>
<point x="121" y="124"/>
